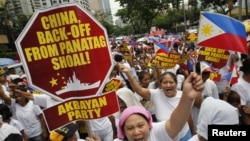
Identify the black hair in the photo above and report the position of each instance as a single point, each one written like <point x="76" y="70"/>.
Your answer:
<point x="190" y="48"/>
<point x="191" y="44"/>
<point x="5" y="111"/>
<point x="17" y="80"/>
<point x="14" y="137"/>
<point x="230" y="97"/>
<point x="142" y="74"/>
<point x="116" y="67"/>
<point x="245" y="68"/>
<point x="118" y="57"/>
<point x="168" y="73"/>
<point x="175" y="45"/>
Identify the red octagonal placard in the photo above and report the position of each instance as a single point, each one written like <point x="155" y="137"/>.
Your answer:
<point x="65" y="52"/>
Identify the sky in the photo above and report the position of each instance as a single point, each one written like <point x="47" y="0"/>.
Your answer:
<point x="114" y="7"/>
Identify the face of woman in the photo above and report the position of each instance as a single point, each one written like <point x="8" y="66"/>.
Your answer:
<point x="122" y="104"/>
<point x="145" y="81"/>
<point x="136" y="128"/>
<point x="168" y="85"/>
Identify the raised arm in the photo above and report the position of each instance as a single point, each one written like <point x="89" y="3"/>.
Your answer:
<point x="27" y="95"/>
<point x="192" y="87"/>
<point x="143" y="92"/>
<point x="4" y="97"/>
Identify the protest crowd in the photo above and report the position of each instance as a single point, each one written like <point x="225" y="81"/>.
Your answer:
<point x="155" y="92"/>
<point x="170" y="89"/>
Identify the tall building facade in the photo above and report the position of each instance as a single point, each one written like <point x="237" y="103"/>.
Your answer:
<point x="27" y="7"/>
<point x="101" y="6"/>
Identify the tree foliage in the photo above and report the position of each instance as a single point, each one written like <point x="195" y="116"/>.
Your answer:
<point x="11" y="23"/>
<point x="166" y="14"/>
<point x="219" y="6"/>
<point x="139" y="11"/>
<point x="169" y="19"/>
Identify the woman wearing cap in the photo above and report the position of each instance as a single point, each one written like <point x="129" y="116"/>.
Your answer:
<point x="136" y="123"/>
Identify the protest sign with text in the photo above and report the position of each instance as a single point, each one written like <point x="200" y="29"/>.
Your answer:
<point x="81" y="109"/>
<point x="63" y="49"/>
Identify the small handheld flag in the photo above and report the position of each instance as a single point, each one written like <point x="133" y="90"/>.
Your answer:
<point x="221" y="31"/>
<point x="205" y="66"/>
<point x="161" y="48"/>
<point x="232" y="77"/>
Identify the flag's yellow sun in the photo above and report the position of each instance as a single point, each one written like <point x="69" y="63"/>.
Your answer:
<point x="207" y="30"/>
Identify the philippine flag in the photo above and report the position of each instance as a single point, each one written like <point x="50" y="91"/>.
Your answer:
<point x="160" y="48"/>
<point x="232" y="77"/>
<point x="220" y="31"/>
<point x="205" y="66"/>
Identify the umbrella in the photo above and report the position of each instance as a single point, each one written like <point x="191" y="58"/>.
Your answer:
<point x="151" y="35"/>
<point x="162" y="41"/>
<point x="126" y="40"/>
<point x="159" y="32"/>
<point x="142" y="39"/>
<point x="176" y="40"/>
<point x="154" y="39"/>
<point x="6" y="61"/>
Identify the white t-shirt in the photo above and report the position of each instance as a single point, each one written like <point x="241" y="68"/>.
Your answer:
<point x="210" y="89"/>
<point x="28" y="116"/>
<point x="242" y="88"/>
<point x="164" y="106"/>
<point x="44" y="100"/>
<point x="6" y="130"/>
<point x="16" y="124"/>
<point x="180" y="79"/>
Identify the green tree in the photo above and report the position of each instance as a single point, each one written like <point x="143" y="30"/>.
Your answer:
<point x="166" y="14"/>
<point x="169" y="20"/>
<point x="219" y="6"/>
<point x="133" y="19"/>
<point x="7" y="22"/>
<point x="193" y="12"/>
<point x="143" y="11"/>
<point x="11" y="23"/>
<point x="109" y="27"/>
<point x="101" y="17"/>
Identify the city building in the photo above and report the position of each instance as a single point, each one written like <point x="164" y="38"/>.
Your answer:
<point x="101" y="7"/>
<point x="27" y="7"/>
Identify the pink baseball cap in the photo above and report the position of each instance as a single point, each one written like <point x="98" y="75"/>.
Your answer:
<point x="130" y="111"/>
